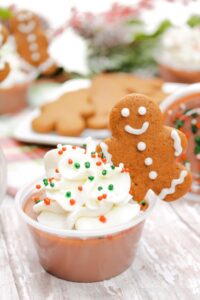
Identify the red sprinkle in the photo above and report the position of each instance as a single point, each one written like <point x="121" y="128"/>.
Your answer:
<point x="70" y="161"/>
<point x="104" y="160"/>
<point x="100" y="198"/>
<point x="98" y="163"/>
<point x="198" y="125"/>
<point x="47" y="201"/>
<point x="80" y="188"/>
<point x="102" y="219"/>
<point x="104" y="196"/>
<point x="73" y="147"/>
<point x="99" y="155"/>
<point x="38" y="186"/>
<point x="130" y="192"/>
<point x="64" y="148"/>
<point x="60" y="152"/>
<point x="51" y="179"/>
<point x="72" y="201"/>
<point x="35" y="199"/>
<point x="56" y="170"/>
<point x="93" y="155"/>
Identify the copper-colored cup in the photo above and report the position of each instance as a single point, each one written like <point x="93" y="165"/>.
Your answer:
<point x="174" y="75"/>
<point x="13" y="99"/>
<point x="84" y="256"/>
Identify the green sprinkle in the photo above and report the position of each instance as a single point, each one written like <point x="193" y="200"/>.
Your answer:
<point x="37" y="201"/>
<point x="91" y="178"/>
<point x="194" y="115"/>
<point x="197" y="140"/>
<point x="143" y="202"/>
<point x="77" y="165"/>
<point x="104" y="172"/>
<point x="87" y="164"/>
<point x="52" y="184"/>
<point x="185" y="161"/>
<point x="111" y="187"/>
<point x="179" y="123"/>
<point x="93" y="152"/>
<point x="112" y="167"/>
<point x="194" y="129"/>
<point x="45" y="181"/>
<point x="100" y="188"/>
<point x="197" y="149"/>
<point x="68" y="194"/>
<point x="84" y="146"/>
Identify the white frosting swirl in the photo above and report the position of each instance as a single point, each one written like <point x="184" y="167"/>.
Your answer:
<point x="180" y="48"/>
<point x="84" y="191"/>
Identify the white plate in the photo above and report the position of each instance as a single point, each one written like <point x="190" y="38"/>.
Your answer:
<point x="25" y="133"/>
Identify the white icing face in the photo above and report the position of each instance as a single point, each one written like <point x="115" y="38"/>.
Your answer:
<point x="142" y="110"/>
<point x="153" y="175"/>
<point x="148" y="161"/>
<point x="141" y="146"/>
<point x="27" y="28"/>
<point x="125" y="112"/>
<point x="24" y="16"/>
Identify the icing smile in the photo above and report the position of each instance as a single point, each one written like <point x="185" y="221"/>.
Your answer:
<point x="137" y="131"/>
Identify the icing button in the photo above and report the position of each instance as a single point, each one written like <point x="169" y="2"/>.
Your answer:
<point x="148" y="161"/>
<point x="141" y="146"/>
<point x="153" y="175"/>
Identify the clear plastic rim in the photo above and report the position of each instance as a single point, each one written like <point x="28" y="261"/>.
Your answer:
<point x="26" y="192"/>
<point x="182" y="92"/>
<point x="3" y="176"/>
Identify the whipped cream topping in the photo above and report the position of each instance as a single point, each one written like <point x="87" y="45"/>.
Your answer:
<point x="180" y="48"/>
<point x="19" y="70"/>
<point x="83" y="190"/>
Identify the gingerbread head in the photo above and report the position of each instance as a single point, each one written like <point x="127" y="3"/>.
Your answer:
<point x="4" y="66"/>
<point x="148" y="149"/>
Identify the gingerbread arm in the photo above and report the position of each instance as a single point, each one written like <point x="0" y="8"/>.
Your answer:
<point x="178" y="138"/>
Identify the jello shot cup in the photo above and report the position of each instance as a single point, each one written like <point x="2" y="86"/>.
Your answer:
<point x="83" y="256"/>
<point x="182" y="111"/>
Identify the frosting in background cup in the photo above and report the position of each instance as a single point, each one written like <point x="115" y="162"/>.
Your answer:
<point x="83" y="190"/>
<point x="180" y="48"/>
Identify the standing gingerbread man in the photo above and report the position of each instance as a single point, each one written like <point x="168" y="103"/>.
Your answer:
<point x="147" y="148"/>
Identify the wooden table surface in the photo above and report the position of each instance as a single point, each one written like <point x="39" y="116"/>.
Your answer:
<point x="167" y="266"/>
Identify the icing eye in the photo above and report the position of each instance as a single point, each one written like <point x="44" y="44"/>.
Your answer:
<point x="142" y="110"/>
<point x="125" y="112"/>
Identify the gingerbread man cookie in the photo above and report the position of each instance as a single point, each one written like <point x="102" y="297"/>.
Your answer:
<point x="148" y="149"/>
<point x="32" y="42"/>
<point x="66" y="116"/>
<point x="4" y="66"/>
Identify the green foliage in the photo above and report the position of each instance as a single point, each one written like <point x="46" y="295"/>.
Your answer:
<point x="5" y="14"/>
<point x="194" y="21"/>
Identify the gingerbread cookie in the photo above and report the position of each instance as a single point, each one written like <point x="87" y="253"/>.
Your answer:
<point x="4" y="66"/>
<point x="107" y="88"/>
<point x="148" y="149"/>
<point x="66" y="116"/>
<point x="32" y="42"/>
